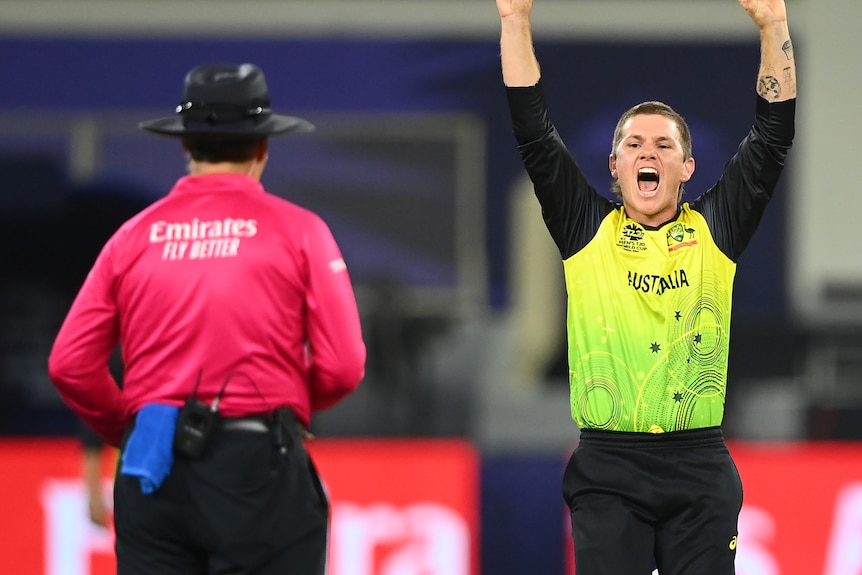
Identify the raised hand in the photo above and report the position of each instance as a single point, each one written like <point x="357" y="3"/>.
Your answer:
<point x="776" y="80"/>
<point x="764" y="12"/>
<point x="520" y="67"/>
<point x="508" y="8"/>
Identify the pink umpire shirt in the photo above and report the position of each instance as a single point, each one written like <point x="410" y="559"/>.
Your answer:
<point x="219" y="278"/>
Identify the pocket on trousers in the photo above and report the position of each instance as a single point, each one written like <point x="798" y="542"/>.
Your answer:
<point x="317" y="483"/>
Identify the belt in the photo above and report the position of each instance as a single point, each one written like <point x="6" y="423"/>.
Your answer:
<point x="254" y="424"/>
<point x="282" y="423"/>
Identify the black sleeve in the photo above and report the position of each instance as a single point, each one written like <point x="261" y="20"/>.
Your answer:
<point x="571" y="208"/>
<point x="734" y="206"/>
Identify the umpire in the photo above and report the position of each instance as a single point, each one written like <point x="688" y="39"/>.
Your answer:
<point x="237" y="320"/>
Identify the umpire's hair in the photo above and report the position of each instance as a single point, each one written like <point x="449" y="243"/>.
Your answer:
<point x="214" y="149"/>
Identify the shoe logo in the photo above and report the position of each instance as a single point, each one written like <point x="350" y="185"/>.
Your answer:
<point x="732" y="544"/>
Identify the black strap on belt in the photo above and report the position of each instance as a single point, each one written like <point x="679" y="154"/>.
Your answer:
<point x="285" y="428"/>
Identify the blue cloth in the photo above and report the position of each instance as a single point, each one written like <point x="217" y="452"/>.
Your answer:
<point x="149" y="452"/>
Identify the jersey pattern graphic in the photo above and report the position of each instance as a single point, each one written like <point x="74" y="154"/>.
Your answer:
<point x="653" y="309"/>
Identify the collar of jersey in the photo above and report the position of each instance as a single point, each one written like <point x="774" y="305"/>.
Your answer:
<point x="215" y="183"/>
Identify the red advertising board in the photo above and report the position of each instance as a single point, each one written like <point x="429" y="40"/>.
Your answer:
<point x="411" y="508"/>
<point x="401" y="507"/>
<point x="802" y="509"/>
<point x="398" y="507"/>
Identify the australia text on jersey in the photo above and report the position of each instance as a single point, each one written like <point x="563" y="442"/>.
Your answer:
<point x="657" y="284"/>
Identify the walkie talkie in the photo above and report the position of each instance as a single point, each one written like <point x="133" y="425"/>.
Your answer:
<point x="195" y="424"/>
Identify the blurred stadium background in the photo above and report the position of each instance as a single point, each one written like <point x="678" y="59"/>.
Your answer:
<point x="414" y="167"/>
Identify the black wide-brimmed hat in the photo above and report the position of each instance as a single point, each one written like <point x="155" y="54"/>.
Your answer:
<point x="226" y="100"/>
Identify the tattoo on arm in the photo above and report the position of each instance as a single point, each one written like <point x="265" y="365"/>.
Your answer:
<point x="787" y="48"/>
<point x="769" y="87"/>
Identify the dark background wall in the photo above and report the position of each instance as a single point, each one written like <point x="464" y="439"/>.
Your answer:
<point x="589" y="85"/>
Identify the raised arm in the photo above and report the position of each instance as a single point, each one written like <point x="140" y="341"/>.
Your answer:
<point x="776" y="80"/>
<point x="520" y="67"/>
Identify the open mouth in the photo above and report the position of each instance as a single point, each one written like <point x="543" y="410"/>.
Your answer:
<point x="647" y="181"/>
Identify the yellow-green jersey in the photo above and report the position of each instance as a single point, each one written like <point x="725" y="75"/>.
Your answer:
<point x="649" y="308"/>
<point x="648" y="325"/>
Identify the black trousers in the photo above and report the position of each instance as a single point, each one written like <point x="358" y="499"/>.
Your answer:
<point x="245" y="507"/>
<point x="635" y="497"/>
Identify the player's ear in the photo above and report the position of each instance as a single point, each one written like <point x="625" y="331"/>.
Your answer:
<point x="687" y="169"/>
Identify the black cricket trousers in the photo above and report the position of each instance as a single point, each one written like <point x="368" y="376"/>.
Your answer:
<point x="247" y="507"/>
<point x="638" y="497"/>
